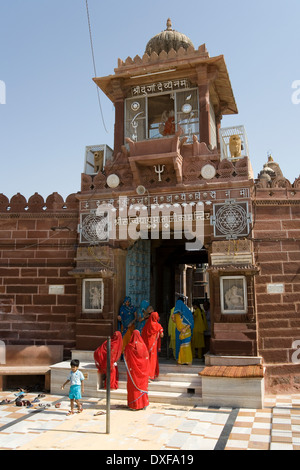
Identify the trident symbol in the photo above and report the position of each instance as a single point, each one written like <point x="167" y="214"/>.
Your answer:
<point x="159" y="170"/>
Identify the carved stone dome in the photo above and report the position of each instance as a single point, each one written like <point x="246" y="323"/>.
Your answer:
<point x="167" y="40"/>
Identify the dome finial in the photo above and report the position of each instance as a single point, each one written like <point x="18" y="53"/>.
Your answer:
<point x="169" y="25"/>
<point x="167" y="40"/>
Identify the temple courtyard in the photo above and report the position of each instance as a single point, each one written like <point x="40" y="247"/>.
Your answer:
<point x="161" y="427"/>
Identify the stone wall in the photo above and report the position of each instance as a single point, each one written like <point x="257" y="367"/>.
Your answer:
<point x="37" y="249"/>
<point x="277" y="253"/>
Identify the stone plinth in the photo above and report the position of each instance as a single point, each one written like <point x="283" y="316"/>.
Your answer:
<point x="234" y="386"/>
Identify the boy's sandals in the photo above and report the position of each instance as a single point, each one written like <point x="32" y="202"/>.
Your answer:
<point x="71" y="412"/>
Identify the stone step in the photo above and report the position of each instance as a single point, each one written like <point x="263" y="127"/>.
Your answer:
<point x="178" y="398"/>
<point x="174" y="372"/>
<point x="169" y="378"/>
<point x="166" y="364"/>
<point x="174" y="385"/>
<point x="166" y="385"/>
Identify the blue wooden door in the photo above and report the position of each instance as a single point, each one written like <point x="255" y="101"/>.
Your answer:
<point x="138" y="271"/>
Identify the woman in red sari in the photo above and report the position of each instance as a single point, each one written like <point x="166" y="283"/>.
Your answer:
<point x="100" y="356"/>
<point x="151" y="334"/>
<point x="136" y="359"/>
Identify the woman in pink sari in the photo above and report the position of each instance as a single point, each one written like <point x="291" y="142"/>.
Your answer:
<point x="151" y="334"/>
<point x="136" y="359"/>
<point x="100" y="356"/>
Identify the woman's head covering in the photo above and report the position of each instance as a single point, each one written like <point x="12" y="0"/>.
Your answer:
<point x="124" y="304"/>
<point x="137" y="345"/>
<point x="140" y="314"/>
<point x="126" y="313"/>
<point x="100" y="355"/>
<point x="185" y="313"/>
<point x="143" y="306"/>
<point x="152" y="325"/>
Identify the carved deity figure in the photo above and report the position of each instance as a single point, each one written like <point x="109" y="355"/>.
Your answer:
<point x="95" y="298"/>
<point x="98" y="161"/>
<point x="167" y="125"/>
<point x="233" y="299"/>
<point x="235" y="146"/>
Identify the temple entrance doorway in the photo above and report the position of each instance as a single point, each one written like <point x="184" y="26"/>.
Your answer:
<point x="176" y="272"/>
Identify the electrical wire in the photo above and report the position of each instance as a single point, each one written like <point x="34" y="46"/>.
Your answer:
<point x="94" y="62"/>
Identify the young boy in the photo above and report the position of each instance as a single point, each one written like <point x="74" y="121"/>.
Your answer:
<point x="77" y="386"/>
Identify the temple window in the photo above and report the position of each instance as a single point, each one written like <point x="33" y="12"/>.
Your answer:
<point x="156" y="115"/>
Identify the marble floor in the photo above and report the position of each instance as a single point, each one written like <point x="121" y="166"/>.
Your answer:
<point x="46" y="426"/>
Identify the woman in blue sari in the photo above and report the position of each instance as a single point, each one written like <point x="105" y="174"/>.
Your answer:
<point x="127" y="317"/>
<point x="184" y="330"/>
<point x="142" y="315"/>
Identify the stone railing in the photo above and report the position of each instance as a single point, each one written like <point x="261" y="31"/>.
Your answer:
<point x="172" y="54"/>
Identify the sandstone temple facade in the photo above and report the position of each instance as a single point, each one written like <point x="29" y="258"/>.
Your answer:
<point x="63" y="277"/>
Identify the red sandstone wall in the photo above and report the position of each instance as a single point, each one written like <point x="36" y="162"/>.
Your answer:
<point x="35" y="254"/>
<point x="277" y="251"/>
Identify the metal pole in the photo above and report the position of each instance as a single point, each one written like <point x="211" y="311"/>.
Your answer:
<point x="108" y="388"/>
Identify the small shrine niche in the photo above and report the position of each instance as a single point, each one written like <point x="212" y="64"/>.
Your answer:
<point x="96" y="157"/>
<point x="92" y="295"/>
<point x="233" y="143"/>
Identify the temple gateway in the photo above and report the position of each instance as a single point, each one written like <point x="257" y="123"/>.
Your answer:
<point x="173" y="209"/>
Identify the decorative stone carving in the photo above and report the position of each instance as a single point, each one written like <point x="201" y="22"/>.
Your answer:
<point x="126" y="177"/>
<point x="208" y="171"/>
<point x="36" y="203"/>
<point x="4" y="203"/>
<point x="54" y="202"/>
<point x="18" y="203"/>
<point x="200" y="148"/>
<point x="231" y="220"/>
<point x="275" y="167"/>
<point x="86" y="182"/>
<point x="241" y="167"/>
<point x="296" y="183"/>
<point x="72" y="202"/>
<point x="99" y="181"/>
<point x="93" y="228"/>
<point x="281" y="182"/>
<point x="225" y="168"/>
<point x="191" y="172"/>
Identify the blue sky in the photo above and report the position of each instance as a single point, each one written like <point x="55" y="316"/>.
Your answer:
<point x="51" y="111"/>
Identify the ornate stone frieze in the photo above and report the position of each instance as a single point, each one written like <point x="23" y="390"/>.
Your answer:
<point x="231" y="220"/>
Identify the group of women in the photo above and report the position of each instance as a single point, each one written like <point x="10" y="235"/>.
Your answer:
<point x="138" y="339"/>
